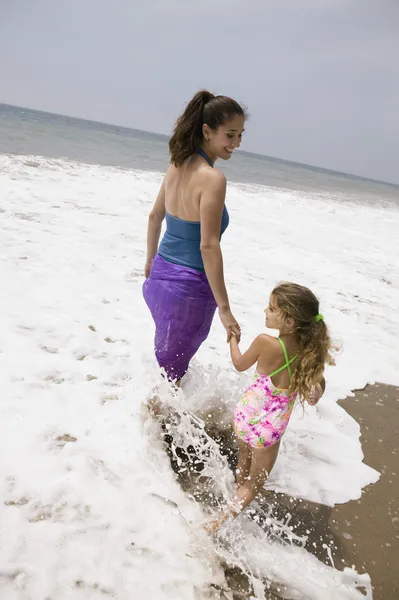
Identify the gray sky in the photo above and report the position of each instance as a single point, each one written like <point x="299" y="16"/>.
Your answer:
<point x="320" y="78"/>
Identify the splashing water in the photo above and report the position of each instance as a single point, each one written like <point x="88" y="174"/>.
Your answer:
<point x="263" y="547"/>
<point x="89" y="503"/>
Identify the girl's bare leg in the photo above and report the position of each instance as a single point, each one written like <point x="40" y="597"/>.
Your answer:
<point x="262" y="462"/>
<point x="244" y="462"/>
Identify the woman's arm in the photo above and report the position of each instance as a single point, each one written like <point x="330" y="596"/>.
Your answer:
<point x="211" y="210"/>
<point x="155" y="219"/>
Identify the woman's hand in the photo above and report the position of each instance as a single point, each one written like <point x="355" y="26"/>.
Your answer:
<point x="230" y="324"/>
<point x="147" y="268"/>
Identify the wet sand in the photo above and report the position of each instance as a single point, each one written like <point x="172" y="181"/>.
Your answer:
<point x="363" y="533"/>
<point x="373" y="521"/>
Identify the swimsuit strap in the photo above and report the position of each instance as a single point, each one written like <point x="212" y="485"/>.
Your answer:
<point x="202" y="153"/>
<point x="288" y="361"/>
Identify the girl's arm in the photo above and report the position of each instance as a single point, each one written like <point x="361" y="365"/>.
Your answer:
<point x="242" y="362"/>
<point x="155" y="219"/>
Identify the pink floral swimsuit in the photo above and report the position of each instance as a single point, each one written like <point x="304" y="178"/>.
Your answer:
<point x="263" y="412"/>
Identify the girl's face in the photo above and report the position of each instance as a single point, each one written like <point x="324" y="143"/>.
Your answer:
<point x="275" y="319"/>
<point x="273" y="314"/>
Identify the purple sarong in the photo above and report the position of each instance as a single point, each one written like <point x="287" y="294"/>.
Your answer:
<point x="182" y="305"/>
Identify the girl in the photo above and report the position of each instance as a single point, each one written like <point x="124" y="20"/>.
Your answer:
<point x="184" y="276"/>
<point x="288" y="368"/>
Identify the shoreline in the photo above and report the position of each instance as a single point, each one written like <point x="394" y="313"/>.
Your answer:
<point x="362" y="533"/>
<point x="369" y="527"/>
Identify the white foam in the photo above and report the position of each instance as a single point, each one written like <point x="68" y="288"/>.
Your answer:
<point x="105" y="512"/>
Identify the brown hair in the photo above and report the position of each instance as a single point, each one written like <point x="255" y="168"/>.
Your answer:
<point x="204" y="108"/>
<point x="315" y="345"/>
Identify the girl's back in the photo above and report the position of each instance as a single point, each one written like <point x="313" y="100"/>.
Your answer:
<point x="271" y="358"/>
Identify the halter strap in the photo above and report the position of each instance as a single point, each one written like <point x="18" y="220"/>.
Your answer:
<point x="204" y="155"/>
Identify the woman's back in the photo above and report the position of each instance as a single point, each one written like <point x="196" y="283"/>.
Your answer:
<point x="183" y="188"/>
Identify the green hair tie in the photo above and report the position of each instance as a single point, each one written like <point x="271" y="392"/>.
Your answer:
<point x="318" y="318"/>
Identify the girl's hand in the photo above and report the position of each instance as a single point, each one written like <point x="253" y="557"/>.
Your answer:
<point x="233" y="338"/>
<point x="315" y="396"/>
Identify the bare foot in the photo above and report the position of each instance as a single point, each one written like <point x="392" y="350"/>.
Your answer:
<point x="212" y="527"/>
<point x="155" y="406"/>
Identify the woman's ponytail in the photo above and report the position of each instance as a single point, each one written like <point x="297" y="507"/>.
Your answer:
<point x="187" y="133"/>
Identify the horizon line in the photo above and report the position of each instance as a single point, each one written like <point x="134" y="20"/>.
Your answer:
<point x="245" y="152"/>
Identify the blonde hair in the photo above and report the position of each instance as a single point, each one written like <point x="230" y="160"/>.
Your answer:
<point x="301" y="305"/>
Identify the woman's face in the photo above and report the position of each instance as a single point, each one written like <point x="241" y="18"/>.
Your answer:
<point x="226" y="138"/>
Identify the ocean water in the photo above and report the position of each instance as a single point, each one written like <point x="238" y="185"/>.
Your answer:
<point x="28" y="132"/>
<point x="90" y="507"/>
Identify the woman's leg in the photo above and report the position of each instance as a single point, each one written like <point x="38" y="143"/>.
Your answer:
<point x="244" y="462"/>
<point x="262" y="462"/>
<point x="155" y="405"/>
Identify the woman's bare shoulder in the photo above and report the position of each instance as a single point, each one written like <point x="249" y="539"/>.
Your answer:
<point x="211" y="177"/>
<point x="171" y="171"/>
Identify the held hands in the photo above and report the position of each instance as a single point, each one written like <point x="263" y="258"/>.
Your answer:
<point x="230" y="324"/>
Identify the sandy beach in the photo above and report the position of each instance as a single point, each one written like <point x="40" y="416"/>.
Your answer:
<point x="369" y="528"/>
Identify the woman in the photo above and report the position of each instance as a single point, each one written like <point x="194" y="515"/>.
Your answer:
<point x="184" y="276"/>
